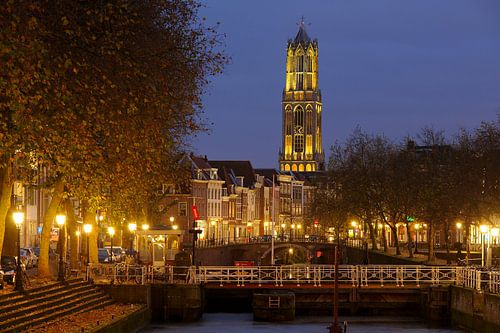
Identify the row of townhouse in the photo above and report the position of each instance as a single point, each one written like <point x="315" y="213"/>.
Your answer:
<point x="236" y="202"/>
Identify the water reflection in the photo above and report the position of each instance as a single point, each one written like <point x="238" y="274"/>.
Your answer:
<point x="243" y="323"/>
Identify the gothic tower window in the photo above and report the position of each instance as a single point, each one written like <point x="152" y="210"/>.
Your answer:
<point x="299" y="143"/>
<point x="288" y="119"/>
<point x="298" y="117"/>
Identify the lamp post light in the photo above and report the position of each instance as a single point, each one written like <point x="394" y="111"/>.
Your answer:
<point x="60" y="221"/>
<point x="417" y="227"/>
<point x="494" y="233"/>
<point x="87" y="229"/>
<point x="283" y="225"/>
<point x="483" y="229"/>
<point x="459" y="232"/>
<point x="18" y="220"/>
<point x="132" y="227"/>
<point x="111" y="232"/>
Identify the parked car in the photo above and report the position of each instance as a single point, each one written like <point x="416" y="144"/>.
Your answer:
<point x="8" y="266"/>
<point x="103" y="255"/>
<point x="118" y="253"/>
<point x="28" y="257"/>
<point x="36" y="251"/>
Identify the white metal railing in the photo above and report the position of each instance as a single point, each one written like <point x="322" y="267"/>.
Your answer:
<point x="313" y="275"/>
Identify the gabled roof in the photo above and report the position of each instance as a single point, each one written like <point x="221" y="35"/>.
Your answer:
<point x="201" y="162"/>
<point x="229" y="170"/>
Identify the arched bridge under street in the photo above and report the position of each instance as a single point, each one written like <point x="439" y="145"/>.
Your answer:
<point x="259" y="252"/>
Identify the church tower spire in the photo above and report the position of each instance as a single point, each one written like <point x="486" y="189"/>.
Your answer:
<point x="302" y="148"/>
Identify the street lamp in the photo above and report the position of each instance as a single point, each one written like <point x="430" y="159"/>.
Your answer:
<point x="417" y="227"/>
<point x="132" y="227"/>
<point x="483" y="229"/>
<point x="111" y="232"/>
<point x="87" y="229"/>
<point x="60" y="221"/>
<point x="459" y="232"/>
<point x="18" y="220"/>
<point x="494" y="233"/>
<point x="283" y="225"/>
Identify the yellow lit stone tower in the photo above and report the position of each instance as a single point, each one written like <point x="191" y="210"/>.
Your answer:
<point x="302" y="148"/>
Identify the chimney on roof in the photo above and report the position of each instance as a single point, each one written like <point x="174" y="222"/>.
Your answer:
<point x="206" y="159"/>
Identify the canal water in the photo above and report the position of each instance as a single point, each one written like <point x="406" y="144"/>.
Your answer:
<point x="243" y="323"/>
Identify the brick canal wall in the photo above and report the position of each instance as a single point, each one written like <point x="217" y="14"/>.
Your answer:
<point x="474" y="310"/>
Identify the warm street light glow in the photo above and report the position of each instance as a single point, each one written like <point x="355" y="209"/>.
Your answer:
<point x="132" y="227"/>
<point x="171" y="219"/>
<point x="60" y="219"/>
<point x="315" y="225"/>
<point x="417" y="226"/>
<point x="212" y="223"/>
<point x="290" y="250"/>
<point x="459" y="225"/>
<point x="299" y="226"/>
<point x="87" y="228"/>
<point x="111" y="231"/>
<point x="145" y="226"/>
<point x="283" y="225"/>
<point x="354" y="224"/>
<point x="175" y="227"/>
<point x="293" y="226"/>
<point x="77" y="233"/>
<point x="495" y="232"/>
<point x="483" y="228"/>
<point x="18" y="218"/>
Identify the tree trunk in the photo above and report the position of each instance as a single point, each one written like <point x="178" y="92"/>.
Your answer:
<point x="394" y="230"/>
<point x="409" y="241"/>
<point x="74" y="239"/>
<point x="430" y="242"/>
<point x="372" y="231"/>
<point x="6" y="183"/>
<point x="384" y="239"/>
<point x="48" y="220"/>
<point x="447" y="240"/>
<point x="467" y="240"/>
<point x="89" y="218"/>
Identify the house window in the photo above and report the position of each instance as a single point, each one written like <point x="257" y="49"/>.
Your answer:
<point x="182" y="208"/>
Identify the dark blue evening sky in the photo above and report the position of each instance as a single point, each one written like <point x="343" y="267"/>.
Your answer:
<point x="390" y="66"/>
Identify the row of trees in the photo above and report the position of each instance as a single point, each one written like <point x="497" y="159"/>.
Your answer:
<point x="97" y="100"/>
<point x="434" y="179"/>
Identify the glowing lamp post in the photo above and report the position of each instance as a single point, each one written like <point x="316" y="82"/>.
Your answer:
<point x="132" y="227"/>
<point x="459" y="232"/>
<point x="417" y="227"/>
<point x="483" y="229"/>
<point x="18" y="220"/>
<point x="494" y="233"/>
<point x="87" y="229"/>
<point x="60" y="221"/>
<point x="111" y="232"/>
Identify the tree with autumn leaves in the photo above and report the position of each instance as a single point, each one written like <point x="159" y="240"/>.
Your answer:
<point x="103" y="96"/>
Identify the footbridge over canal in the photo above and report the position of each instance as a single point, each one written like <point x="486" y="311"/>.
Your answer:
<point x="259" y="252"/>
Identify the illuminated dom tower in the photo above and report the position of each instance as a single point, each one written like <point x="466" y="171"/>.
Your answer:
<point x="302" y="148"/>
